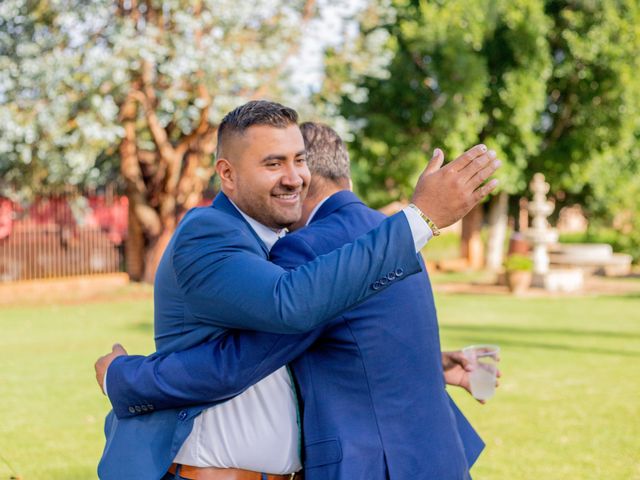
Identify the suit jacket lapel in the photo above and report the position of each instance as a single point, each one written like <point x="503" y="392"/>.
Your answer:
<point x="222" y="203"/>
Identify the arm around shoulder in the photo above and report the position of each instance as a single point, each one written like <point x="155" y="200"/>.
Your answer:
<point x="227" y="282"/>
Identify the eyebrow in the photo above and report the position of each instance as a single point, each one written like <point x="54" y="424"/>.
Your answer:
<point x="277" y="156"/>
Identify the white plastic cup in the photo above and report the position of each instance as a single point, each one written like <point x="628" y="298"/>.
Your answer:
<point x="484" y="368"/>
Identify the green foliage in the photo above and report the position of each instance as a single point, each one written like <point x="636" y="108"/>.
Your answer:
<point x="591" y="125"/>
<point x="68" y="67"/>
<point x="550" y="85"/>
<point x="463" y="72"/>
<point x="518" y="263"/>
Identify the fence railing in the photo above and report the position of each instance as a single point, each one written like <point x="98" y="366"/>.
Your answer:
<point x="61" y="236"/>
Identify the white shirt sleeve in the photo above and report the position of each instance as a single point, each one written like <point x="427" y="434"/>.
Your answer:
<point x="419" y="229"/>
<point x="104" y="382"/>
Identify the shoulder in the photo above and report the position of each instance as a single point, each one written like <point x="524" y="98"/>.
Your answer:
<point x="342" y="226"/>
<point x="210" y="230"/>
<point x="209" y="221"/>
<point x="201" y="217"/>
<point x="293" y="250"/>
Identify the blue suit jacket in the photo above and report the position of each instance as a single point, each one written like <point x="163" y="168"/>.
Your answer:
<point x="373" y="399"/>
<point x="214" y="275"/>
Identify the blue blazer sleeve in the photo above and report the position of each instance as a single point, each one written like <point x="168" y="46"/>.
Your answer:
<point x="214" y="371"/>
<point x="209" y="373"/>
<point x="225" y="285"/>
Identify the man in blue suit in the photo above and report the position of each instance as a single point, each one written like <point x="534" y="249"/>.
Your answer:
<point x="191" y="306"/>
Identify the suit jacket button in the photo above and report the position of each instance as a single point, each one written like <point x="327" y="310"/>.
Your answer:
<point x="182" y="415"/>
<point x="138" y="409"/>
<point x="144" y="408"/>
<point x="376" y="285"/>
<point x="391" y="276"/>
<point x="150" y="407"/>
<point x="383" y="281"/>
<point x="399" y="272"/>
<point x="132" y="410"/>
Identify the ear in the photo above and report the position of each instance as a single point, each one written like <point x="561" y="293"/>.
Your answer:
<point x="227" y="174"/>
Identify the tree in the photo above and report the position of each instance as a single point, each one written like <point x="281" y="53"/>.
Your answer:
<point x="463" y="73"/>
<point x="591" y="124"/>
<point x="547" y="84"/>
<point x="141" y="83"/>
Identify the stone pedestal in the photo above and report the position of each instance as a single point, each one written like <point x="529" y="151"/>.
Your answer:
<point x="565" y="280"/>
<point x="591" y="258"/>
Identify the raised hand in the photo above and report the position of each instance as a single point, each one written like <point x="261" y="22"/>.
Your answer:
<point x="446" y="194"/>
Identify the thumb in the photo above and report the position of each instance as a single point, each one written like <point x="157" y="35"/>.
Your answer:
<point x="436" y="161"/>
<point x="118" y="349"/>
<point x="463" y="361"/>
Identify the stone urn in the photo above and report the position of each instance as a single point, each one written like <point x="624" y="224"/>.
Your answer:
<point x="519" y="281"/>
<point x="519" y="273"/>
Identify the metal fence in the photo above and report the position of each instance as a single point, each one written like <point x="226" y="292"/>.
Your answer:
<point x="62" y="236"/>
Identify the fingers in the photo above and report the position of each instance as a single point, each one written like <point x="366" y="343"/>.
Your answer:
<point x="485" y="190"/>
<point x="480" y="172"/>
<point x="103" y="363"/>
<point x="467" y="157"/>
<point x="100" y="369"/>
<point x="436" y="161"/>
<point x="461" y="360"/>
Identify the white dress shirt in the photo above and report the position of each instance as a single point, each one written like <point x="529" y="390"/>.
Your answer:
<point x="258" y="430"/>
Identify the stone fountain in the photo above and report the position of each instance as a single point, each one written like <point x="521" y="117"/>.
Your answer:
<point x="542" y="235"/>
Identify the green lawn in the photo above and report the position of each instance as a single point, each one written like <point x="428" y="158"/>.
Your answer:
<point x="568" y="406"/>
<point x="51" y="411"/>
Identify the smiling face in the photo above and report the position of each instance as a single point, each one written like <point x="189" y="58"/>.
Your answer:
<point x="264" y="172"/>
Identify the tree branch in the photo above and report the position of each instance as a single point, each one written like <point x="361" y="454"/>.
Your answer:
<point x="294" y="47"/>
<point x="147" y="98"/>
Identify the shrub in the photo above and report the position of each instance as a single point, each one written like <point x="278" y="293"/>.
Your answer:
<point x="518" y="262"/>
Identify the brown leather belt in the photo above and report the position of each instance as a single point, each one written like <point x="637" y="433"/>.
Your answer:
<point x="213" y="473"/>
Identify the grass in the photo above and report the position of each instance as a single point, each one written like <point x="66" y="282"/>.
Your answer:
<point x="51" y="411"/>
<point x="569" y="403"/>
<point x="568" y="406"/>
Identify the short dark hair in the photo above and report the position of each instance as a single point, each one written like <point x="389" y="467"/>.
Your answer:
<point x="256" y="112"/>
<point x="327" y="154"/>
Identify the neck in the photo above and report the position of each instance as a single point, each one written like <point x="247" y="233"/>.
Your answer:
<point x="315" y="196"/>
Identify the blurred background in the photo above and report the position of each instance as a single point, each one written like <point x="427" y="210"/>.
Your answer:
<point x="108" y="118"/>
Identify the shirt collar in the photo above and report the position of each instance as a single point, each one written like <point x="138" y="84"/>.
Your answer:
<point x="268" y="236"/>
<point x="315" y="210"/>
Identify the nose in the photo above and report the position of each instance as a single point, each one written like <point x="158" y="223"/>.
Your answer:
<point x="294" y="176"/>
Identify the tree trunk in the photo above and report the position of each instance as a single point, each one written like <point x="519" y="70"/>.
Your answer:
<point x="471" y="243"/>
<point x="135" y="246"/>
<point x="180" y="190"/>
<point x="130" y="170"/>
<point x="498" y="217"/>
<point x="154" y="253"/>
